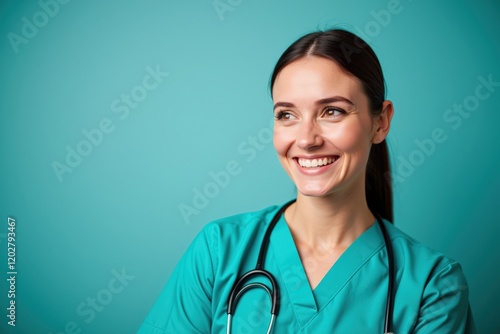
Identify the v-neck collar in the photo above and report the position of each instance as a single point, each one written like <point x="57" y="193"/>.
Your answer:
<point x="308" y="303"/>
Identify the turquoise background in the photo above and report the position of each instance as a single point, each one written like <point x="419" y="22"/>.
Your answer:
<point x="119" y="210"/>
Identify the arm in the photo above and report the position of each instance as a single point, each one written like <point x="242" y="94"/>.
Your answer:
<point x="445" y="303"/>
<point x="184" y="305"/>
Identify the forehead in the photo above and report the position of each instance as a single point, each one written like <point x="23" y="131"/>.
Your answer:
<point x="314" y="78"/>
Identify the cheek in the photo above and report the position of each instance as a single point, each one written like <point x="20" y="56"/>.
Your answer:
<point x="350" y="138"/>
<point x="282" y="141"/>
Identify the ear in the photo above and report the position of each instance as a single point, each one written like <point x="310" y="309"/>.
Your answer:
<point x="382" y="122"/>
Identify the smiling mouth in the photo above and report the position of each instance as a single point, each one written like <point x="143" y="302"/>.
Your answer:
<point x="318" y="162"/>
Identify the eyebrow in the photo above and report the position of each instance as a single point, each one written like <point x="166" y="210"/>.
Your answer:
<point x="319" y="102"/>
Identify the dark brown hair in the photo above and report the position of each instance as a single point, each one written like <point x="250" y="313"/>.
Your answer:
<point x="357" y="58"/>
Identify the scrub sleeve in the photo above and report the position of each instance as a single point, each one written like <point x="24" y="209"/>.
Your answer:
<point x="184" y="305"/>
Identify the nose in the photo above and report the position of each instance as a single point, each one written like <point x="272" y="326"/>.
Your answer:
<point x="309" y="135"/>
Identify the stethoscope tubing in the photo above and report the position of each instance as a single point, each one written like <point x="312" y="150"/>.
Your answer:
<point x="240" y="288"/>
<point x="389" y="306"/>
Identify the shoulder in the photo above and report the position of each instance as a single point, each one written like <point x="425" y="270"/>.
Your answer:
<point x="228" y="233"/>
<point x="240" y="224"/>
<point x="435" y="282"/>
<point x="411" y="251"/>
<point x="438" y="279"/>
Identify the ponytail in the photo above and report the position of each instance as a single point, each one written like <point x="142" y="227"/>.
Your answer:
<point x="378" y="182"/>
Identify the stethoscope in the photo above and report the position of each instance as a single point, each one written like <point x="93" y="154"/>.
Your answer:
<point x="274" y="293"/>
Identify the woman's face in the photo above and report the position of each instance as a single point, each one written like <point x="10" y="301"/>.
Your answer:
<point x="323" y="127"/>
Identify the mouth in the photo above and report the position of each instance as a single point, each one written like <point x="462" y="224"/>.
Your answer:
<point x="316" y="162"/>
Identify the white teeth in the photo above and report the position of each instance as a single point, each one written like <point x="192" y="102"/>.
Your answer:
<point x="311" y="163"/>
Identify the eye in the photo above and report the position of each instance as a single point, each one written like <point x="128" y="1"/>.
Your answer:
<point x="333" y="112"/>
<point x="283" y="116"/>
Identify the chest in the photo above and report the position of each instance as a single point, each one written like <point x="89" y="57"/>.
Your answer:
<point x="330" y="291"/>
<point x="355" y="305"/>
<point x="317" y="263"/>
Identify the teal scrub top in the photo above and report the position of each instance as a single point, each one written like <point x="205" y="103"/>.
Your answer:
<point x="431" y="293"/>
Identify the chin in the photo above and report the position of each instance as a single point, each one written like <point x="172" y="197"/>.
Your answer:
<point x="314" y="191"/>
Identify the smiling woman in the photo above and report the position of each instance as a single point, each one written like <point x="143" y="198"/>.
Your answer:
<point x="328" y="118"/>
<point x="331" y="260"/>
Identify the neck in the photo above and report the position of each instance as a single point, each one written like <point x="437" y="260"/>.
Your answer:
<point x="332" y="221"/>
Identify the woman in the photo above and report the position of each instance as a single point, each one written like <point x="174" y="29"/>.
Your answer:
<point x="327" y="251"/>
